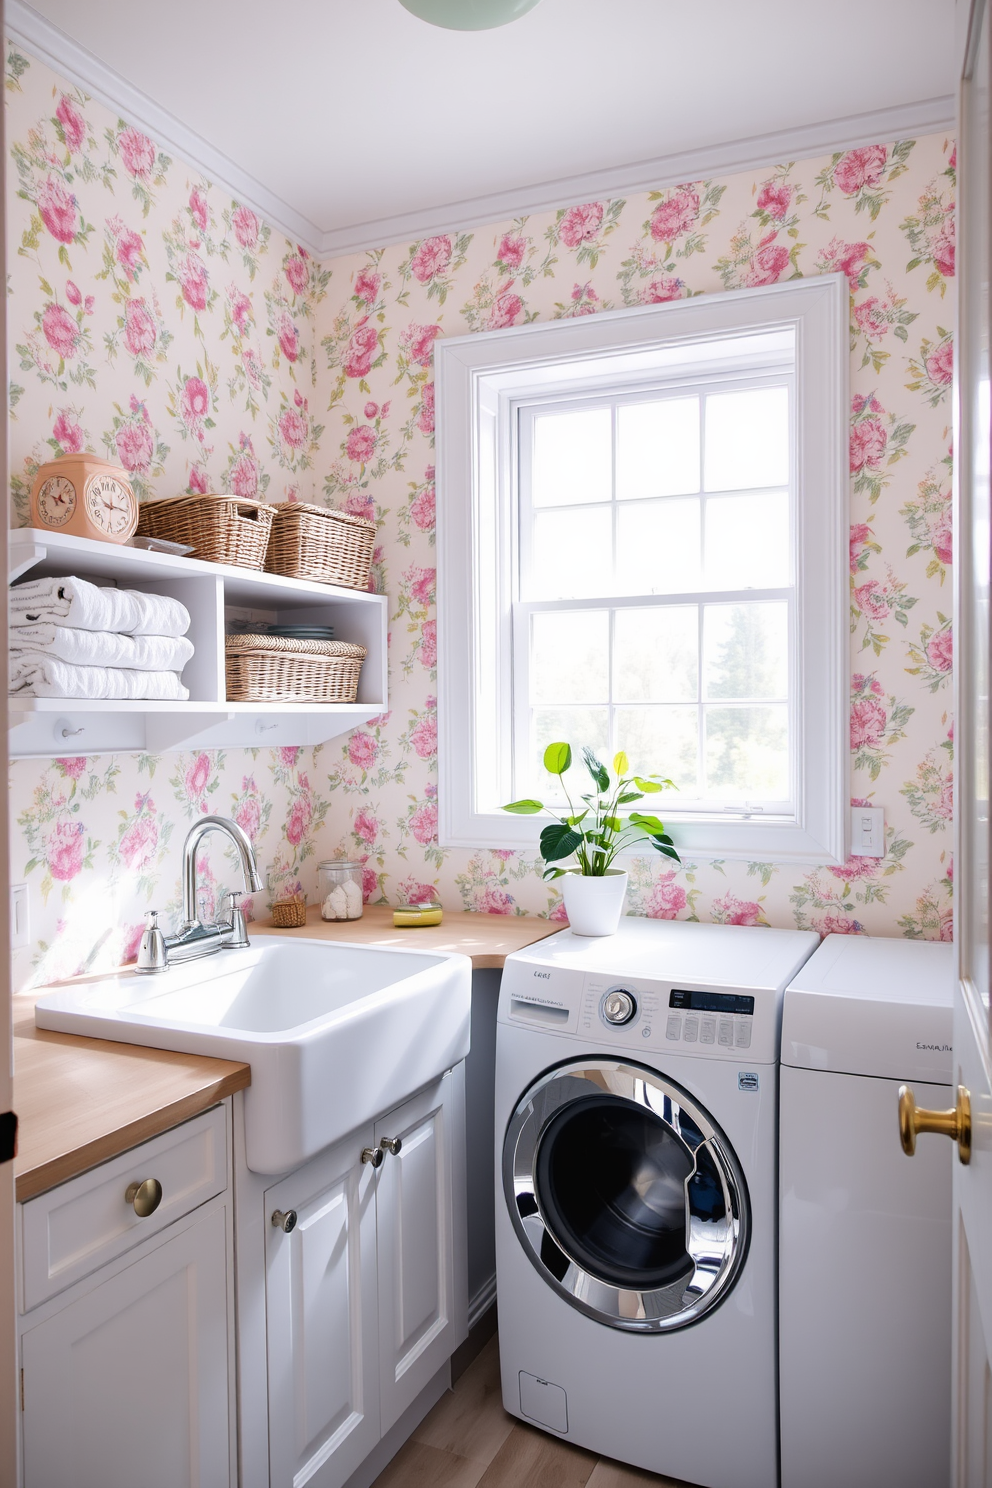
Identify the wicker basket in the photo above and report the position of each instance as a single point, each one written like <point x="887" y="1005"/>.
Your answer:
<point x="219" y="529"/>
<point x="313" y="542"/>
<point x="289" y="914"/>
<point x="279" y="669"/>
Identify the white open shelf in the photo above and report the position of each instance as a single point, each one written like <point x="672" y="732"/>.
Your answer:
<point x="42" y="727"/>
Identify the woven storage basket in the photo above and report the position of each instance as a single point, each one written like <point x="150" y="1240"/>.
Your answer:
<point x="313" y="542"/>
<point x="289" y="914"/>
<point x="219" y="529"/>
<point x="279" y="669"/>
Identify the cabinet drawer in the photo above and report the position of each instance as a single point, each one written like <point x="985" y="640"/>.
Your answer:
<point x="80" y="1225"/>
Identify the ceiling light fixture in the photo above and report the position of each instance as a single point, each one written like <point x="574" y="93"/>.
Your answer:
<point x="468" y="15"/>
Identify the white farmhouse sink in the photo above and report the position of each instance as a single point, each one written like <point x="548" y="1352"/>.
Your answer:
<point x="335" y="1034"/>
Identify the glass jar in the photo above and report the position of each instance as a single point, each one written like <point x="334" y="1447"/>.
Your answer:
<point x="339" y="884"/>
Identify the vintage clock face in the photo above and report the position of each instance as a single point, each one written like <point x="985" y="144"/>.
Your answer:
<point x="110" y="505"/>
<point x="56" y="501"/>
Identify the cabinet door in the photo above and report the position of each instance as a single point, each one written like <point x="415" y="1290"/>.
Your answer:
<point x="321" y="1324"/>
<point x="420" y="1319"/>
<point x="129" y="1383"/>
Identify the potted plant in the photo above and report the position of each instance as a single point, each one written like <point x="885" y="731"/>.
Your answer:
<point x="593" y="890"/>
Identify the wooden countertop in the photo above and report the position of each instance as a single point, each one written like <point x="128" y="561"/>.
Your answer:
<point x="488" y="939"/>
<point x="81" y="1100"/>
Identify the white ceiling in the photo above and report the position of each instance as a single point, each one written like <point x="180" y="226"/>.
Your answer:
<point x="354" y="118"/>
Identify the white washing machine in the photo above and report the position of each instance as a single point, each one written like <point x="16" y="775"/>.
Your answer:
<point x="865" y="1243"/>
<point x="636" y="1113"/>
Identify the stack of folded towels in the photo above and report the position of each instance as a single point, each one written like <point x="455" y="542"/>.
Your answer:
<point x="71" y="639"/>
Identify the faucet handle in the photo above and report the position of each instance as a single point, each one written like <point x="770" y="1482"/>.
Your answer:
<point x="152" y="953"/>
<point x="238" y="929"/>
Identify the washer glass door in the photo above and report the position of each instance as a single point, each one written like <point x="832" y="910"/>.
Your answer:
<point x="625" y="1194"/>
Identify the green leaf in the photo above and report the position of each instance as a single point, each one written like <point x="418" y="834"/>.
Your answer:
<point x="553" y="873"/>
<point x="621" y="764"/>
<point x="599" y="772"/>
<point x="558" y="841"/>
<point x="613" y="823"/>
<point x="668" y="852"/>
<point x="557" y="758"/>
<point x="629" y="796"/>
<point x="647" y="785"/>
<point x="646" y="823"/>
<point x="523" y="808"/>
<point x="573" y="821"/>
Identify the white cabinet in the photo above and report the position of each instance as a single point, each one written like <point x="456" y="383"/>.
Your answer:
<point x="365" y="1288"/>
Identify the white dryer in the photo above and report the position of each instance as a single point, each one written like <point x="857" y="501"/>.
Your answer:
<point x="636" y="1107"/>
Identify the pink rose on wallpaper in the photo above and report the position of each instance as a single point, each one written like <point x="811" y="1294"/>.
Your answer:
<point x="775" y="198"/>
<point x="512" y="250"/>
<point x="253" y="367"/>
<point x="846" y="258"/>
<point x="558" y="913"/>
<point x="293" y="429"/>
<point x="423" y="823"/>
<point x="57" y="208"/>
<point x="61" y="331"/>
<point x="370" y="884"/>
<point x="360" y="504"/>
<point x="360" y="352"/>
<point x="854" y="868"/>
<point x="361" y="443"/>
<point x="942" y="247"/>
<point x="67" y="433"/>
<point x="734" y="911"/>
<point x="493" y="900"/>
<point x="675" y="216"/>
<point x="73" y="293"/>
<point x="195" y="403"/>
<point x="945" y="805"/>
<point x="579" y="224"/>
<point x="425" y="418"/>
<point x="371" y="409"/>
<point x="134" y="444"/>
<point x="767" y="263"/>
<point x="367" y="286"/>
<point x="299" y="820"/>
<point x="289" y="754"/>
<point x="297" y="274"/>
<point x="363" y="749"/>
<point x="868" y="442"/>
<point x="861" y="167"/>
<point x="860" y="533"/>
<point x="422" y="509"/>
<point x="869" y="317"/>
<point x="428" y="644"/>
<point x="129" y="247"/>
<point x="836" y="924"/>
<point x="138" y="844"/>
<point x="198" y="208"/>
<point x="249" y="814"/>
<point x="666" y="900"/>
<point x="421" y="582"/>
<point x="940" y="364"/>
<point x="504" y="853"/>
<point x="245" y="225"/>
<point x="506" y="310"/>
<point x="197" y="776"/>
<point x="289" y="337"/>
<point x="659" y="291"/>
<point x="73" y="124"/>
<point x="423" y="737"/>
<point x="585" y="298"/>
<point x="942" y="538"/>
<point x="198" y="484"/>
<point x="418" y="343"/>
<point x="431" y="259"/>
<point x="75" y="768"/>
<point x="240" y="309"/>
<point x="140" y="330"/>
<point x="868" y="723"/>
<point x="947" y="925"/>
<point x="872" y="601"/>
<point x="940" y="651"/>
<point x="64" y="849"/>
<point x="412" y="891"/>
<point x="193" y="281"/>
<point x="366" y="825"/>
<point x="136" y="151"/>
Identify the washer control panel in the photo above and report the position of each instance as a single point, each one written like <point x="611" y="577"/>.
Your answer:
<point x="619" y="1006"/>
<point x="636" y="1013"/>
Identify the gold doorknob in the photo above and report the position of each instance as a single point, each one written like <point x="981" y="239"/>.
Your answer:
<point x="955" y="1123"/>
<point x="144" y="1198"/>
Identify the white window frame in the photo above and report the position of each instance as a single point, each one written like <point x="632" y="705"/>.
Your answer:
<point x="480" y="378"/>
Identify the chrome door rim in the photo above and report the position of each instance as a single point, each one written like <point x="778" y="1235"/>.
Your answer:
<point x="716" y="1247"/>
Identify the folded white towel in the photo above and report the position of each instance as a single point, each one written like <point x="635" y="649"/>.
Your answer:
<point x="33" y="674"/>
<point x="144" y="653"/>
<point x="80" y="604"/>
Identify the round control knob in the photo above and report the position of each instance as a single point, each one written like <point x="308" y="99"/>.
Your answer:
<point x="618" y="1007"/>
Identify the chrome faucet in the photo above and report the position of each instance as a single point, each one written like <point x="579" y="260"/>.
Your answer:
<point x="194" y="938"/>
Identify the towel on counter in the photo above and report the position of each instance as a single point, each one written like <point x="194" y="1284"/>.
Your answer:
<point x="81" y="605"/>
<point x="142" y="653"/>
<point x="35" y="674"/>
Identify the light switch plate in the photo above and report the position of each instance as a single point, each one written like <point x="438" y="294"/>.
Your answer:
<point x="867" y="832"/>
<point x="20" y="918"/>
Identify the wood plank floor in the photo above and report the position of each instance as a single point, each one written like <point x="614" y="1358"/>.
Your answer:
<point x="468" y="1441"/>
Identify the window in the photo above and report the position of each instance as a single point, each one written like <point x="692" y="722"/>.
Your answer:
<point x="642" y="530"/>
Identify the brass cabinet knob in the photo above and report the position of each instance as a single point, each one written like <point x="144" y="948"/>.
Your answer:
<point x="392" y="1144"/>
<point x="373" y="1155"/>
<point x="955" y="1123"/>
<point x="285" y="1220"/>
<point x="144" y="1198"/>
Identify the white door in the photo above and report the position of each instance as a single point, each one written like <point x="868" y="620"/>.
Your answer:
<point x="129" y="1384"/>
<point x="421" y="1316"/>
<point x="972" y="1202"/>
<point x="320" y="1317"/>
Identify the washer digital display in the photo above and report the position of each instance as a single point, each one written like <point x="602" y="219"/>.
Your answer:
<point x="711" y="1002"/>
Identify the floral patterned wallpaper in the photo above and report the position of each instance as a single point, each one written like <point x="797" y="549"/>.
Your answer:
<point x="158" y="321"/>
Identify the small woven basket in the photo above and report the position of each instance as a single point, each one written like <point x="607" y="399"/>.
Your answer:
<point x="313" y="542"/>
<point x="289" y="914"/>
<point x="280" y="669"/>
<point x="219" y="529"/>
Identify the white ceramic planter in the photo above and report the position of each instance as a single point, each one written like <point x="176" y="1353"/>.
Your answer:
<point x="594" y="905"/>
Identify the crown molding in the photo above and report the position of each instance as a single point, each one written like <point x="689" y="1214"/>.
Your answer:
<point x="51" y="45"/>
<point x="64" y="55"/>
